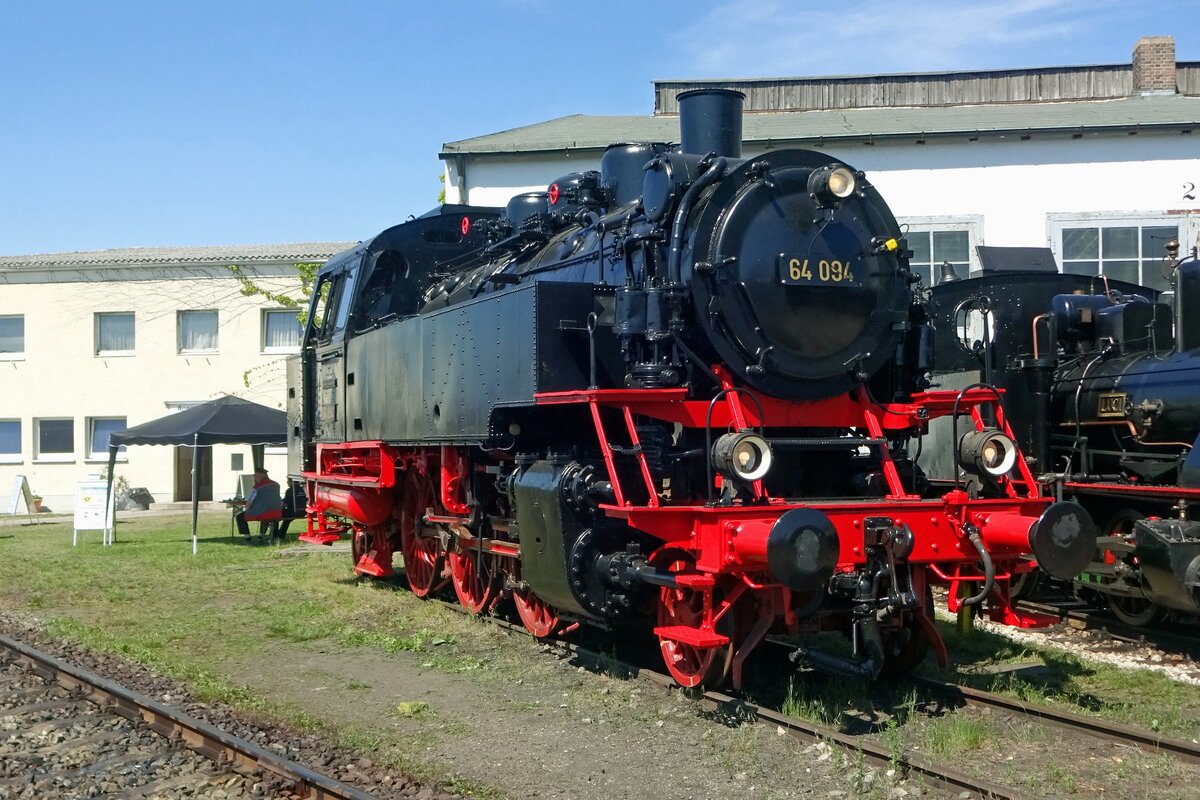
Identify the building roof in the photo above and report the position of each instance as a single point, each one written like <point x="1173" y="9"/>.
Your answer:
<point x="959" y="87"/>
<point x="584" y="132"/>
<point x="219" y="254"/>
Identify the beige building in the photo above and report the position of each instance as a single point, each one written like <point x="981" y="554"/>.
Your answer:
<point x="94" y="342"/>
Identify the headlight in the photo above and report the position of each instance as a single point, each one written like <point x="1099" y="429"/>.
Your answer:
<point x="988" y="451"/>
<point x="743" y="456"/>
<point x="841" y="182"/>
<point x="831" y="182"/>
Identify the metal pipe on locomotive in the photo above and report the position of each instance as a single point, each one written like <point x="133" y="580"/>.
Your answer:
<point x="1107" y="385"/>
<point x="689" y="385"/>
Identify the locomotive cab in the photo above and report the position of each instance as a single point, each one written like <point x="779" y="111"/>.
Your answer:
<point x="371" y="285"/>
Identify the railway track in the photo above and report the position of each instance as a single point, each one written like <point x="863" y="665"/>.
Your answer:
<point x="932" y="774"/>
<point x="65" y="729"/>
<point x="1147" y="741"/>
<point x="1093" y="619"/>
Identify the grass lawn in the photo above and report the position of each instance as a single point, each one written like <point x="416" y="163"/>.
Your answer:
<point x="147" y="598"/>
<point x="297" y="638"/>
<point x="194" y="618"/>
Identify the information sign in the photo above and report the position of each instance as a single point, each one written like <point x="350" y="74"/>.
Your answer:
<point x="93" y="512"/>
<point x="20" y="488"/>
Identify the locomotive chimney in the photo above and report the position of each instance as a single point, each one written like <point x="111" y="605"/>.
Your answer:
<point x="710" y="121"/>
<point x="1187" y="294"/>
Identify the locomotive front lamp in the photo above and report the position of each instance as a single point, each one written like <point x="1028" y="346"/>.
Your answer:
<point x="988" y="452"/>
<point x="841" y="182"/>
<point x="831" y="183"/>
<point x="742" y="456"/>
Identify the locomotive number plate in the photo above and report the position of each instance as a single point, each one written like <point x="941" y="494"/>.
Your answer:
<point x="1112" y="404"/>
<point x="816" y="272"/>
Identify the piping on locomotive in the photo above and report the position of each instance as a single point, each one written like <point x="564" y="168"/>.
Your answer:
<point x="690" y="384"/>
<point x="1105" y="379"/>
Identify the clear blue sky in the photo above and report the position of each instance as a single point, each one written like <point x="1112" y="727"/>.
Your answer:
<point x="178" y="123"/>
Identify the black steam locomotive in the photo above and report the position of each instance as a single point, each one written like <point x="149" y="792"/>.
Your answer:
<point x="1103" y="380"/>
<point x="689" y="385"/>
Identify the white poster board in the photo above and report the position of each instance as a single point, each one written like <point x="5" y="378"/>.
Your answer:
<point x="93" y="511"/>
<point x="20" y="489"/>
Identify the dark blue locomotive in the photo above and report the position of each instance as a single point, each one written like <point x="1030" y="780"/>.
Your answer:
<point x="1103" y="380"/>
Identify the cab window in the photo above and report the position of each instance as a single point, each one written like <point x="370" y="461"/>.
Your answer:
<point x="318" y="310"/>
<point x="387" y="292"/>
<point x="342" y="296"/>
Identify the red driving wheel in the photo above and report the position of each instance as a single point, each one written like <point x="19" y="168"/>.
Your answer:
<point x="360" y="543"/>
<point x="539" y="617"/>
<point x="474" y="579"/>
<point x="424" y="560"/>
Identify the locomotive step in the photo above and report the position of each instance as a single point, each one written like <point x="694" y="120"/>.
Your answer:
<point x="329" y="536"/>
<point x="691" y="636"/>
<point x="695" y="580"/>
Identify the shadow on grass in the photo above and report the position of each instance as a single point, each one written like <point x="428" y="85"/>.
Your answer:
<point x="391" y="584"/>
<point x="993" y="663"/>
<point x="731" y="714"/>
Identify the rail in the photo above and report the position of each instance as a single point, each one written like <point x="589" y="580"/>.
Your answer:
<point x="932" y="774"/>
<point x="1147" y="741"/>
<point x="171" y="723"/>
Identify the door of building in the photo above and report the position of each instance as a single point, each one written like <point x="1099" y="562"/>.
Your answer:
<point x="183" y="473"/>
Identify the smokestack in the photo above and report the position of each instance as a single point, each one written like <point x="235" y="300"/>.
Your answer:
<point x="1154" y="65"/>
<point x="710" y="121"/>
<point x="1187" y="294"/>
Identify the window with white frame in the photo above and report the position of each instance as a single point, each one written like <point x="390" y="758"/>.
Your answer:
<point x="1121" y="246"/>
<point x="54" y="439"/>
<point x="938" y="240"/>
<point x="10" y="440"/>
<point x="12" y="336"/>
<point x="98" y="430"/>
<point x="114" y="333"/>
<point x="281" y="331"/>
<point x="197" y="331"/>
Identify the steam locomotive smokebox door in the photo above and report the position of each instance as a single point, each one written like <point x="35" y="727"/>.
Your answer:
<point x="499" y="350"/>
<point x="547" y="530"/>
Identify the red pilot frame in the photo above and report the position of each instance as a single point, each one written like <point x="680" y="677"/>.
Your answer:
<point x="972" y="545"/>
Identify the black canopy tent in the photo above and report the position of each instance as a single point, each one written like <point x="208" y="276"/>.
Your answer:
<point x="226" y="420"/>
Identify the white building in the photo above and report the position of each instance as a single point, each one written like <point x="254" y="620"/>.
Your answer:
<point x="94" y="342"/>
<point x="1099" y="163"/>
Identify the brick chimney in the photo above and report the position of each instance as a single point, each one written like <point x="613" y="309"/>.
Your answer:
<point x="1154" y="65"/>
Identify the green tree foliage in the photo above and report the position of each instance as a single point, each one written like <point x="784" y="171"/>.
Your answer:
<point x="298" y="299"/>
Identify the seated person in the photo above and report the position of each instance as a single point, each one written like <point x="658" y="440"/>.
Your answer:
<point x="295" y="506"/>
<point x="263" y="504"/>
